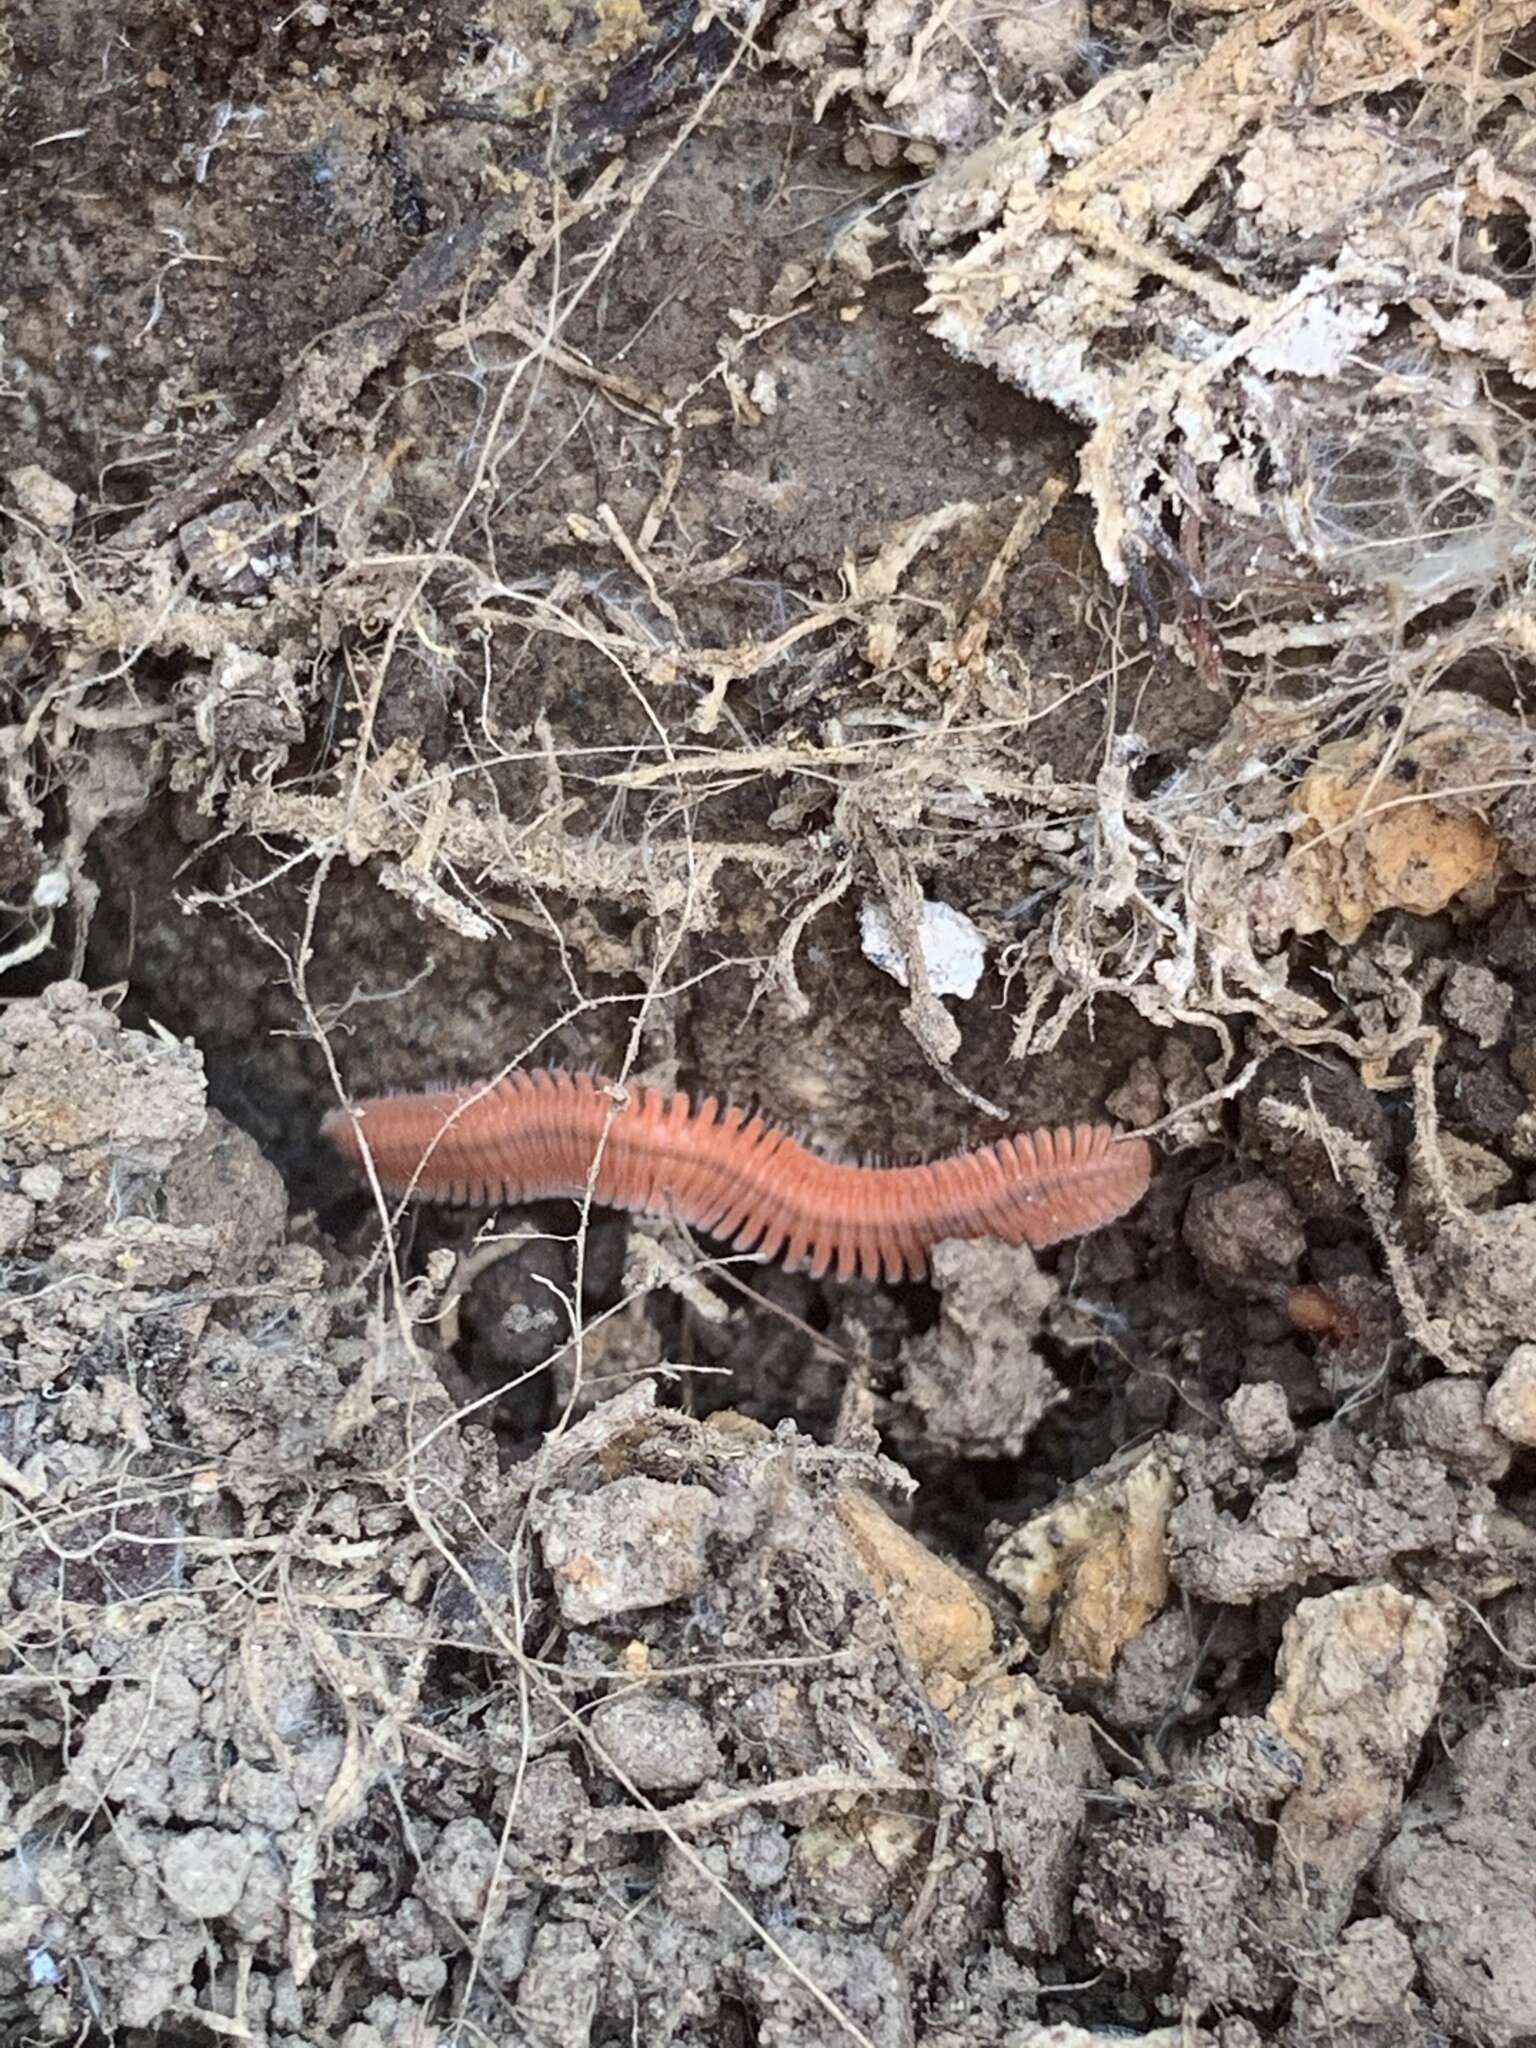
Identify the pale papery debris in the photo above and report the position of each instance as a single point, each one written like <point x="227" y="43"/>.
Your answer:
<point x="1052" y="254"/>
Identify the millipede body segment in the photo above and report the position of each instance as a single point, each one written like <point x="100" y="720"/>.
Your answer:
<point x="536" y="1134"/>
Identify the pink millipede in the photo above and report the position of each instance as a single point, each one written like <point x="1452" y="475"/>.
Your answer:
<point x="536" y="1134"/>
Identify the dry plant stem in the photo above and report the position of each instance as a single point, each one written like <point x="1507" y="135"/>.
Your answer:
<point x="545" y="1133"/>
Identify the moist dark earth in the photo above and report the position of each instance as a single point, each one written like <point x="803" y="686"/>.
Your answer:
<point x="499" y="570"/>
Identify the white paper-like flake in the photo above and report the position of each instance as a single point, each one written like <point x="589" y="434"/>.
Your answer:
<point x="954" y="951"/>
<point x="1315" y="338"/>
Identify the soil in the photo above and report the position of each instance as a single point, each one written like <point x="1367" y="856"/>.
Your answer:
<point x="501" y="562"/>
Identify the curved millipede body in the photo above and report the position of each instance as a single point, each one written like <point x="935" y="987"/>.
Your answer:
<point x="536" y="1134"/>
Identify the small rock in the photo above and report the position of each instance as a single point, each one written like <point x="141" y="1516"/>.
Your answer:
<point x="1328" y="1519"/>
<point x="1480" y="1272"/>
<point x="1154" y="1887"/>
<point x="636" y="1543"/>
<point x="1139" y="1099"/>
<point x="17" y="1215"/>
<point x="1246" y="1234"/>
<point x="1039" y="1766"/>
<point x="263" y="1796"/>
<point x="1260" y="1421"/>
<point x="1156" y="1680"/>
<point x="1522" y="1063"/>
<point x="1477" y="1002"/>
<point x="1366" y="1980"/>
<point x="1446" y="1417"/>
<point x="1251" y="1764"/>
<point x="848" y="1865"/>
<point x="406" y="1947"/>
<point x="42" y="497"/>
<point x="557" y="1993"/>
<point x="939" y="1622"/>
<point x="203" y="1872"/>
<point x="1360" y="1674"/>
<point x="1511" y="1403"/>
<point x="464" y="1877"/>
<point x="1094" y="1567"/>
<point x="660" y="1742"/>
<point x="1352" y="858"/>
<point x="975" y="1383"/>
<point x="1461" y="1877"/>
